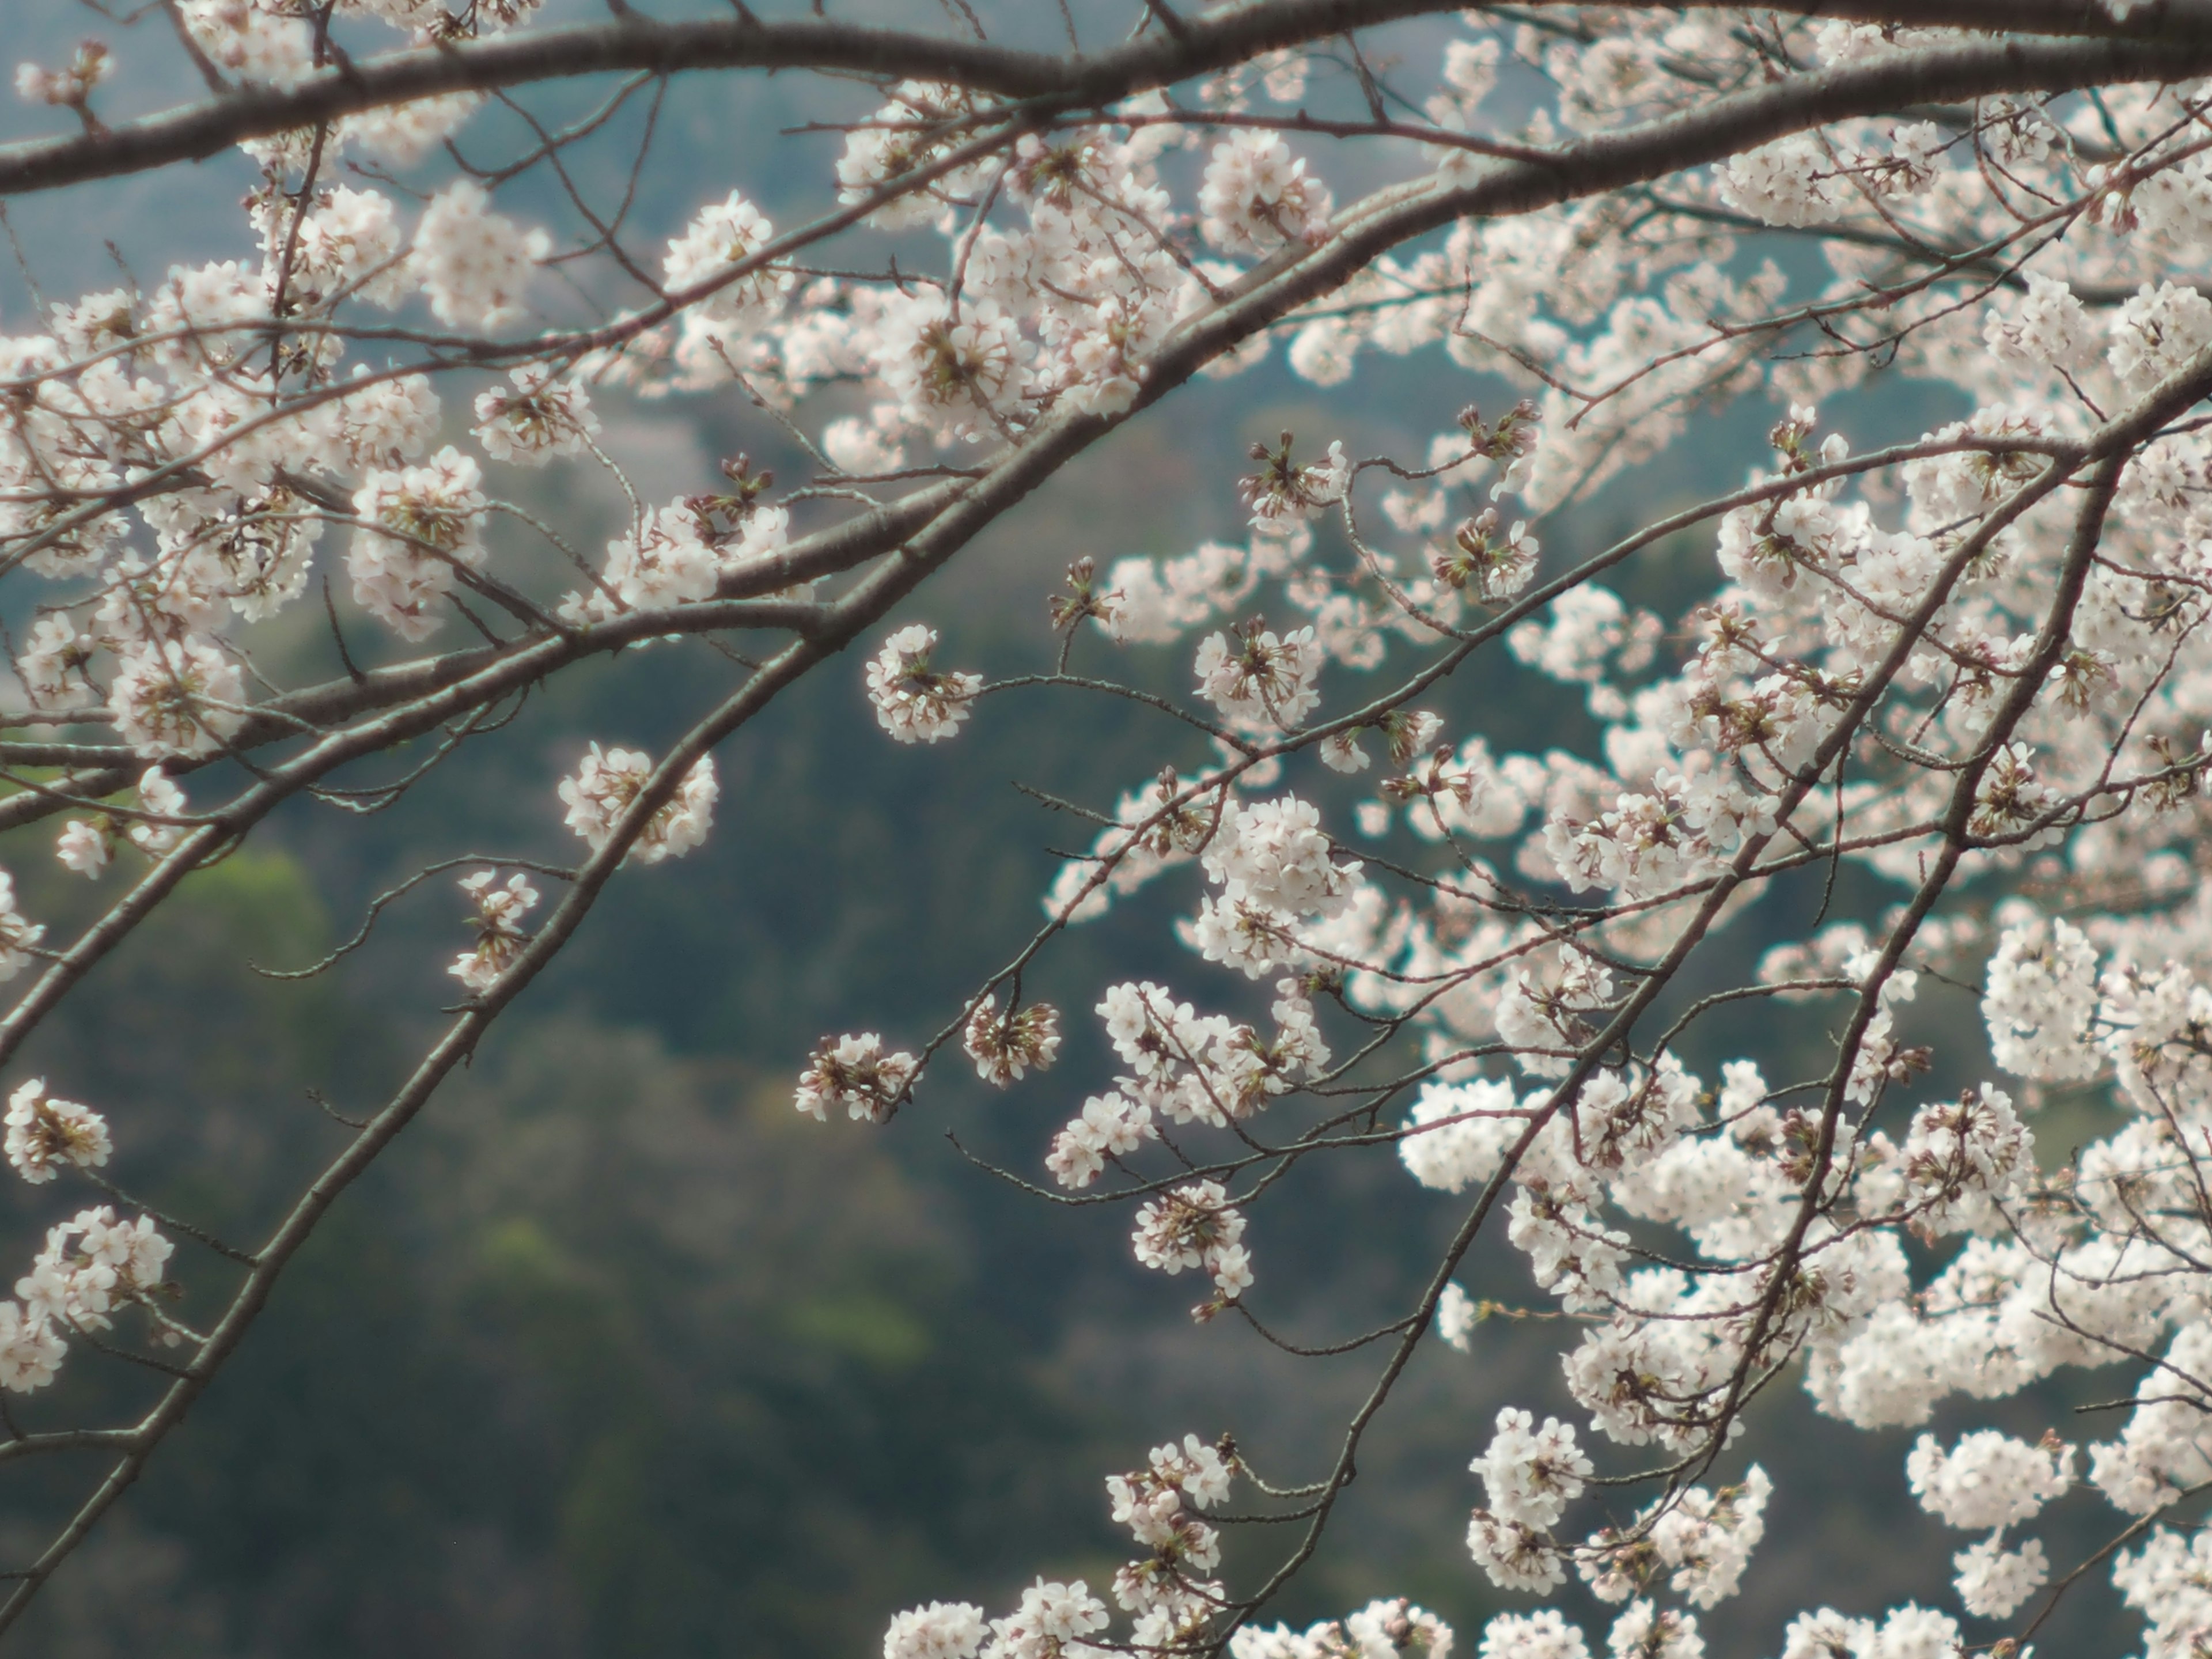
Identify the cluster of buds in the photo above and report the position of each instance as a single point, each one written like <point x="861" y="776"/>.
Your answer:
<point x="1495" y="564"/>
<point x="1181" y="829"/>
<point x="1083" y="597"/>
<point x="43" y="1133"/>
<point x="1005" y="1045"/>
<point x="69" y="87"/>
<point x="1792" y="439"/>
<point x="1284" y="493"/>
<point x="724" y="514"/>
<point x="1512" y="436"/>
<point x="498" y="922"/>
<point x="1408" y="732"/>
<point x="1439" y="776"/>
<point x="855" y="1071"/>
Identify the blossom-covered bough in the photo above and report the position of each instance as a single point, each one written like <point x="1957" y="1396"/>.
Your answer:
<point x="1970" y="661"/>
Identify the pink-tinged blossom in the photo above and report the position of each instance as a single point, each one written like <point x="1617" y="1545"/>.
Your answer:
<point x="31" y="1350"/>
<point x="92" y="1266"/>
<point x="1195" y="1227"/>
<point x="1005" y="1045"/>
<point x="1259" y="679"/>
<point x="1989" y="1479"/>
<point x="53" y="663"/>
<point x="607" y="781"/>
<point x="539" y="420"/>
<point x="71" y="85"/>
<point x="177" y="697"/>
<point x="1530" y="1473"/>
<point x="855" y="1072"/>
<point x="1051" y="1624"/>
<point x="943" y="1630"/>
<point x="498" y="919"/>
<point x="1993" y="1581"/>
<point x="1108" y="1126"/>
<point x="1256" y="196"/>
<point x="19" y="936"/>
<point x="475" y="265"/>
<point x="912" y="702"/>
<point x="420" y="526"/>
<point x="44" y="1132"/>
<point x="161" y="795"/>
<point x="1541" y="1635"/>
<point x="720" y="237"/>
<point x="84" y="848"/>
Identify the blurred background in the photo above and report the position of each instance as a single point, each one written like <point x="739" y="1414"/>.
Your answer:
<point x="615" y="1355"/>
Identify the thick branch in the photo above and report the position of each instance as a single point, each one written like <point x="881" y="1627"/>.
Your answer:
<point x="2142" y="47"/>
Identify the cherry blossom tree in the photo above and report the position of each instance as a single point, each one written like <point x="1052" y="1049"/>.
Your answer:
<point x="1962" y="662"/>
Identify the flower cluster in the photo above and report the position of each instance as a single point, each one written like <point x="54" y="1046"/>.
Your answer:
<point x="1959" y="680"/>
<point x="1990" y="1481"/>
<point x="1167" y="1588"/>
<point x="1275" y="869"/>
<point x="605" y="784"/>
<point x="1256" y="197"/>
<point x="1384" y="1628"/>
<point x="1195" y="1226"/>
<point x="540" y="420"/>
<point x="475" y="264"/>
<point x="1258" y="680"/>
<point x="854" y="1072"/>
<point x="1003" y="1046"/>
<point x="1189" y="1068"/>
<point x="421" y="527"/>
<point x="1528" y="1477"/>
<point x="44" y="1131"/>
<point x="87" y="846"/>
<point x="91" y="1267"/>
<point x="913" y="703"/>
<point x="498" y="921"/>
